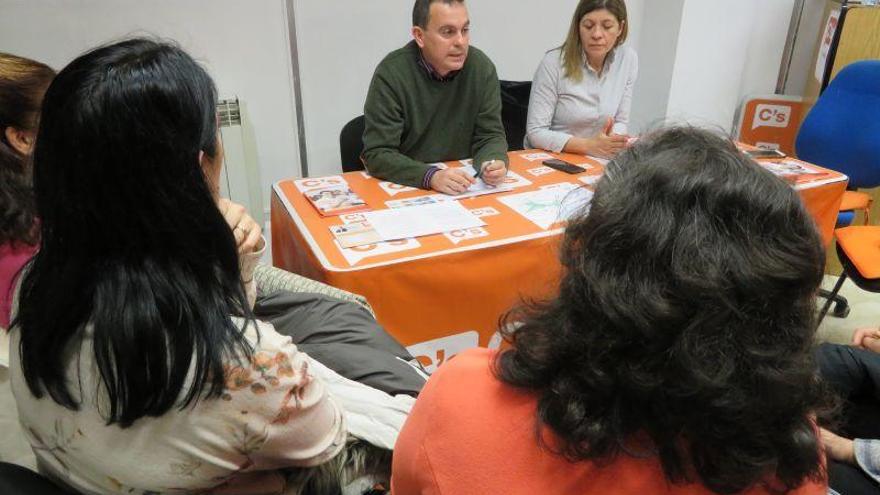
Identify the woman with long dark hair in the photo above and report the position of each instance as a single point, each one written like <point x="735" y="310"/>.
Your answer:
<point x="22" y="84"/>
<point x="139" y="366"/>
<point x="676" y="357"/>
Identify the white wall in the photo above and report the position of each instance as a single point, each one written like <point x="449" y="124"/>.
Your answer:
<point x="342" y="41"/>
<point x="697" y="57"/>
<point x="656" y="46"/>
<point x="244" y="46"/>
<point x="726" y="50"/>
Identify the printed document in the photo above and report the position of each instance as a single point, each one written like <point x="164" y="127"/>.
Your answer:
<point x="416" y="221"/>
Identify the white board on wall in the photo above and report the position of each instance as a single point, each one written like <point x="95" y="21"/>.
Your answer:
<point x="243" y="44"/>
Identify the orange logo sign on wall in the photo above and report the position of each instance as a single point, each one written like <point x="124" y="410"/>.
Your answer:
<point x="771" y="122"/>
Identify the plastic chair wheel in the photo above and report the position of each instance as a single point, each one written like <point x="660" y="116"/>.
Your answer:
<point x="841" y="310"/>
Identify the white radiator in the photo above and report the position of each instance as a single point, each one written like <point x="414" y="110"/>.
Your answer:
<point x="240" y="180"/>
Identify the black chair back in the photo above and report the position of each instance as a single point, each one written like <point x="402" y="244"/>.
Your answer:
<point x="514" y="110"/>
<point x="17" y="480"/>
<point x="351" y="145"/>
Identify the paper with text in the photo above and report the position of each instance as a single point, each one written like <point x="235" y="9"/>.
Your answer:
<point x="416" y="221"/>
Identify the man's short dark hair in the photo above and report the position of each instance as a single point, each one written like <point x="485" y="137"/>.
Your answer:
<point x="422" y="10"/>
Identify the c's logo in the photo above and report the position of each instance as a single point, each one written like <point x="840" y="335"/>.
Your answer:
<point x="771" y="116"/>
<point x="435" y="352"/>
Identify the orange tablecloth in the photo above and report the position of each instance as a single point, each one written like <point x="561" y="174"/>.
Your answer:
<point x="444" y="293"/>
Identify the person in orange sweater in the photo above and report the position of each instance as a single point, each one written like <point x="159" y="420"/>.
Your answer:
<point x="675" y="359"/>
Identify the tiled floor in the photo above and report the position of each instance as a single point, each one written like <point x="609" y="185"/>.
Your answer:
<point x="865" y="312"/>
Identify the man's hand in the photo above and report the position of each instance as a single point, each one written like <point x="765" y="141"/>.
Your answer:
<point x="838" y="448"/>
<point x="451" y="181"/>
<point x="493" y="172"/>
<point x="247" y="232"/>
<point x="867" y="338"/>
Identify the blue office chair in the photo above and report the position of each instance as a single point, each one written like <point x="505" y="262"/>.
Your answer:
<point x="842" y="132"/>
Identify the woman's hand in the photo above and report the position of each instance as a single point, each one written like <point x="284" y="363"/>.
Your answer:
<point x="247" y="232"/>
<point x="602" y="145"/>
<point x="838" y="448"/>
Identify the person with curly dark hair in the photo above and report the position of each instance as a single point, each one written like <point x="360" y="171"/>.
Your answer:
<point x="22" y="85"/>
<point x="676" y="357"/>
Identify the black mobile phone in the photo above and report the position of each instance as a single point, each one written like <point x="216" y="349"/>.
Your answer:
<point x="563" y="166"/>
<point x="765" y="153"/>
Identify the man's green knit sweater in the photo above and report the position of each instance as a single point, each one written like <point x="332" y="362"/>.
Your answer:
<point x="413" y="119"/>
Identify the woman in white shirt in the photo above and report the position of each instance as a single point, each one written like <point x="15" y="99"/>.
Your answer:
<point x="582" y="91"/>
<point x="139" y="366"/>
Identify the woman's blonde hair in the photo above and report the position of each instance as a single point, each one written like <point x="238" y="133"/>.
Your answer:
<point x="572" y="50"/>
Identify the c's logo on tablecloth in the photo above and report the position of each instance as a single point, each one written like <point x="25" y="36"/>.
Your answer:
<point x="771" y="116"/>
<point x="305" y="185"/>
<point x="354" y="255"/>
<point x="393" y="189"/>
<point x="435" y="352"/>
<point x="348" y="218"/>
<point x="457" y="236"/>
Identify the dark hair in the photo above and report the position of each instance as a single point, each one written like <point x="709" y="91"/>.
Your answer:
<point x="134" y="251"/>
<point x="22" y="84"/>
<point x="572" y="49"/>
<point x="684" y="320"/>
<point x="422" y="11"/>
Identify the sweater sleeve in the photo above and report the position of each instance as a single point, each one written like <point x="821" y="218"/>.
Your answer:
<point x="291" y="420"/>
<point x="489" y="140"/>
<point x="868" y="456"/>
<point x="542" y="106"/>
<point x="247" y="264"/>
<point x="384" y="123"/>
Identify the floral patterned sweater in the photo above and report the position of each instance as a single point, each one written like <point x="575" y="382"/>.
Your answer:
<point x="273" y="414"/>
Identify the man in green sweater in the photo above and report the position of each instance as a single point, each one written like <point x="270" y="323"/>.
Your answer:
<point x="435" y="100"/>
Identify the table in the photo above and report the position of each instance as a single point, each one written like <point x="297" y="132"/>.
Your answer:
<point x="444" y="293"/>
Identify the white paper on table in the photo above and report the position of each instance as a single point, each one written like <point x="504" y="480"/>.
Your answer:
<point x="789" y="167"/>
<point x="511" y="181"/>
<point x="480" y="188"/>
<point x="601" y="161"/>
<point x="590" y="180"/>
<point x="416" y="221"/>
<point x="533" y="157"/>
<point x="539" y="171"/>
<point x="355" y="255"/>
<point x="551" y="204"/>
<point x="393" y="189"/>
<point x="408" y="202"/>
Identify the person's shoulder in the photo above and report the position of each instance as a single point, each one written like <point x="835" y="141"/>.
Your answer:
<point x="553" y="54"/>
<point x="262" y="336"/>
<point x="397" y="58"/>
<point x="627" y="55"/>
<point x="470" y="362"/>
<point x="472" y="367"/>
<point x="552" y="59"/>
<point x="478" y="58"/>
